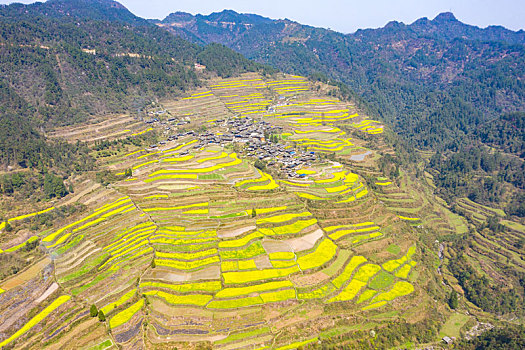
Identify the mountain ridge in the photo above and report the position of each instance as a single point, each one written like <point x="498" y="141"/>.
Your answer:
<point x="448" y="19"/>
<point x="108" y="10"/>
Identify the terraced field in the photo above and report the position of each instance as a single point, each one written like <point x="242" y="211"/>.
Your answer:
<point x="493" y="250"/>
<point x="115" y="127"/>
<point x="198" y="245"/>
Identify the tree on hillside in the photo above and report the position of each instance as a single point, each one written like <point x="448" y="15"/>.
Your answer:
<point x="93" y="312"/>
<point x="259" y="164"/>
<point x="54" y="186"/>
<point x="101" y="316"/>
<point x="453" y="300"/>
<point x="30" y="245"/>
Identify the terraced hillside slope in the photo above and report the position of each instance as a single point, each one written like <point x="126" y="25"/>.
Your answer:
<point x="157" y="194"/>
<point x="190" y="243"/>
<point x="258" y="219"/>
<point x="452" y="91"/>
<point x="66" y="62"/>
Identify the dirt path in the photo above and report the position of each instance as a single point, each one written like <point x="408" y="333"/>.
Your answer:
<point x="47" y="293"/>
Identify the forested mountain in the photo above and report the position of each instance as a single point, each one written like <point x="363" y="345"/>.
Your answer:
<point x="447" y="27"/>
<point x="62" y="61"/>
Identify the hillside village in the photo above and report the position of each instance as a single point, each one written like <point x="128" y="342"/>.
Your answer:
<point x="157" y="192"/>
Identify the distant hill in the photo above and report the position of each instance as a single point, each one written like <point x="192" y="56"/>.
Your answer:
<point x="434" y="80"/>
<point x="101" y="10"/>
<point x="446" y="27"/>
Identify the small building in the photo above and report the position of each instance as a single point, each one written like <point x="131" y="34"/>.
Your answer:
<point x="199" y="67"/>
<point x="447" y="340"/>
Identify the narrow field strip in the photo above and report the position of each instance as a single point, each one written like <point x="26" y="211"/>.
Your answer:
<point x="121" y="301"/>
<point x="187" y="265"/>
<point x="239" y="277"/>
<point x="324" y="252"/>
<point x="241" y="291"/>
<point x="37" y="319"/>
<point x="282" y="218"/>
<point x="210" y="286"/>
<point x="125" y="315"/>
<point x="191" y="299"/>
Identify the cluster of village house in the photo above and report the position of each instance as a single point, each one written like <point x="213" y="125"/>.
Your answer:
<point x="253" y="134"/>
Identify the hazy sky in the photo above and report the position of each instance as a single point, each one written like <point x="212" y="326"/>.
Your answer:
<point x="344" y="15"/>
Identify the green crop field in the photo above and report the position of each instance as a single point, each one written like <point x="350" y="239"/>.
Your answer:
<point x="453" y="325"/>
<point x="382" y="280"/>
